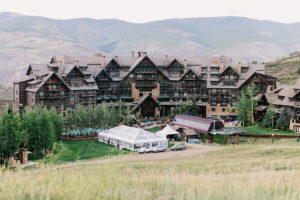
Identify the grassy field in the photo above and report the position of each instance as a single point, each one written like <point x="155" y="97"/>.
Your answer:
<point x="71" y="151"/>
<point x="243" y="172"/>
<point x="266" y="131"/>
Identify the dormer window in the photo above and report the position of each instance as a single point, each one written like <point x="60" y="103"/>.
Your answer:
<point x="244" y="69"/>
<point x="281" y="97"/>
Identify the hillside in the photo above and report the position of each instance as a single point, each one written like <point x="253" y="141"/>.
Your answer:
<point x="27" y="39"/>
<point x="285" y="69"/>
<point x="247" y="171"/>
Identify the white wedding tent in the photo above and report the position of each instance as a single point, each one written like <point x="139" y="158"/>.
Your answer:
<point x="131" y="138"/>
<point x="167" y="131"/>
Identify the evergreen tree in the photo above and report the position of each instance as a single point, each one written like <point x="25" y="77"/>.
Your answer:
<point x="269" y="117"/>
<point x="10" y="134"/>
<point x="283" y="121"/>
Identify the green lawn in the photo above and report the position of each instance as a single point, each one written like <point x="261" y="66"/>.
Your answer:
<point x="154" y="129"/>
<point x="266" y="131"/>
<point x="70" y="151"/>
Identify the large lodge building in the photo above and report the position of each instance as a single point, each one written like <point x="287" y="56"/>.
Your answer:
<point x="150" y="85"/>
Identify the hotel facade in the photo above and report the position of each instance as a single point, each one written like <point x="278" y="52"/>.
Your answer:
<point x="151" y="85"/>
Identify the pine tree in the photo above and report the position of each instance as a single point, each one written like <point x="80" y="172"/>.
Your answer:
<point x="283" y="121"/>
<point x="269" y="117"/>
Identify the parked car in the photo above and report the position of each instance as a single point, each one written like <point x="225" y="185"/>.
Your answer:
<point x="146" y="149"/>
<point x="160" y="148"/>
<point x="178" y="146"/>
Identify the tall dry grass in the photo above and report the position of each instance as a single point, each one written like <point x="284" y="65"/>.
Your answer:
<point x="243" y="172"/>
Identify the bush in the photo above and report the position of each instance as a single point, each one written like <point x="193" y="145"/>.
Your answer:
<point x="37" y="156"/>
<point x="298" y="71"/>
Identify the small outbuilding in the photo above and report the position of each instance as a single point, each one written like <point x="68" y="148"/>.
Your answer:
<point x="168" y="132"/>
<point x="131" y="138"/>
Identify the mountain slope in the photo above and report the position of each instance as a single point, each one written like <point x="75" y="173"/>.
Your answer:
<point x="27" y="39"/>
<point x="286" y="69"/>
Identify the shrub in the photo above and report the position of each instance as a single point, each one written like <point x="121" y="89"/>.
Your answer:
<point x="298" y="71"/>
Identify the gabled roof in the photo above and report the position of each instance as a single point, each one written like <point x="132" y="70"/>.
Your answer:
<point x="227" y="68"/>
<point x="143" y="99"/>
<point x="184" y="74"/>
<point x="67" y="68"/>
<point x="44" y="81"/>
<point x="200" y="125"/>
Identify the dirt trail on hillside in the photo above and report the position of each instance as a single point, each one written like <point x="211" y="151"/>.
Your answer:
<point x="192" y="150"/>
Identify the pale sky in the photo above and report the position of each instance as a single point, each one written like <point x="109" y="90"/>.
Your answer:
<point x="139" y="11"/>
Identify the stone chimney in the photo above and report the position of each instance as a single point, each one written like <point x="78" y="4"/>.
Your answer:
<point x="116" y="59"/>
<point x="103" y="61"/>
<point x="76" y="62"/>
<point x="184" y="65"/>
<point x="132" y="54"/>
<point x="166" y="62"/>
<point x="239" y="68"/>
<point x="216" y="60"/>
<point x="142" y="53"/>
<point x="221" y="65"/>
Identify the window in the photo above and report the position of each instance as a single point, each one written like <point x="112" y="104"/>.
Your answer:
<point x="41" y="93"/>
<point x="223" y="109"/>
<point x="90" y="92"/>
<point x="229" y="83"/>
<point x="75" y="84"/>
<point x="176" y="94"/>
<point x="214" y="90"/>
<point x="224" y="104"/>
<point x="185" y="94"/>
<point x="244" y="69"/>
<point x="204" y="76"/>
<point x="213" y="109"/>
<point x="62" y="93"/>
<point x="91" y="84"/>
<point x="224" y="90"/>
<point x="174" y="75"/>
<point x="131" y="75"/>
<point x="139" y="76"/>
<point x="213" y="103"/>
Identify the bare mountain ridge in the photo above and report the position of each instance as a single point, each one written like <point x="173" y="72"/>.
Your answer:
<point x="27" y="39"/>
